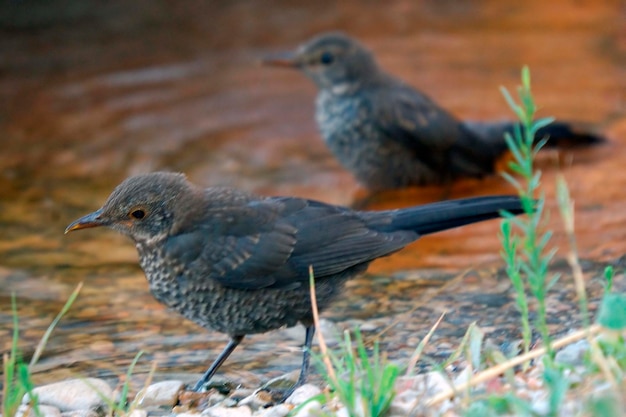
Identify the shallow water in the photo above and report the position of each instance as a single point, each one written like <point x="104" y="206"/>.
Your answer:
<point x="90" y="95"/>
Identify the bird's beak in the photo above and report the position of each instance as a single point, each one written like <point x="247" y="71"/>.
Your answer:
<point x="285" y="60"/>
<point x="91" y="220"/>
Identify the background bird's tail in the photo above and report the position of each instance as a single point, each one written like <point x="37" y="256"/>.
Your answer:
<point x="559" y="134"/>
<point x="444" y="215"/>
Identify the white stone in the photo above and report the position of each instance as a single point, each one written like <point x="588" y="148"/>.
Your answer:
<point x="463" y="377"/>
<point x="333" y="334"/>
<point x="541" y="407"/>
<point x="572" y="354"/>
<point x="310" y="409"/>
<point x="215" y="398"/>
<point x="138" y="412"/>
<point x="428" y="384"/>
<point x="219" y="411"/>
<point x="280" y="410"/>
<point x="303" y="393"/>
<point x="164" y="393"/>
<point x="404" y="403"/>
<point x="342" y="412"/>
<point x="80" y="413"/>
<point x="46" y="411"/>
<point x="73" y="394"/>
<point x="282" y="382"/>
<point x="257" y="400"/>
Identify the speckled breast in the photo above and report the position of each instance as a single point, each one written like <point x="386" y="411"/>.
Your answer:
<point x="230" y="310"/>
<point x="376" y="160"/>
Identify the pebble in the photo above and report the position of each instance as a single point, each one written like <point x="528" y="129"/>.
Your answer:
<point x="303" y="393"/>
<point x="332" y="333"/>
<point x="463" y="377"/>
<point x="46" y="411"/>
<point x="73" y="394"/>
<point x="80" y="413"/>
<point x="215" y="398"/>
<point x="240" y="394"/>
<point x="221" y="411"/>
<point x="282" y="382"/>
<point x="310" y="409"/>
<point x="358" y="411"/>
<point x="404" y="403"/>
<point x="164" y="393"/>
<point x="427" y="384"/>
<point x="280" y="410"/>
<point x="138" y="412"/>
<point x="257" y="400"/>
<point x="572" y="354"/>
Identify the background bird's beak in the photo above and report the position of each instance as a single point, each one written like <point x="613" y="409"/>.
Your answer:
<point x="284" y="60"/>
<point x="85" y="222"/>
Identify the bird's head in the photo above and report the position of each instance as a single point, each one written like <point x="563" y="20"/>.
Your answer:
<point x="142" y="207"/>
<point x="334" y="61"/>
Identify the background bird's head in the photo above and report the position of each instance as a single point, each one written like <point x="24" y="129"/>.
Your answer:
<point x="142" y="207"/>
<point x="334" y="61"/>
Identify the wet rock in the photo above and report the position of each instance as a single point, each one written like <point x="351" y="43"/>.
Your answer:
<point x="163" y="393"/>
<point x="303" y="393"/>
<point x="221" y="411"/>
<point x="74" y="394"/>
<point x="572" y="354"/>
<point x="46" y="411"/>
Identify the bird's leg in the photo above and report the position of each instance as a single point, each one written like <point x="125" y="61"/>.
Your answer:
<point x="232" y="344"/>
<point x="306" y="358"/>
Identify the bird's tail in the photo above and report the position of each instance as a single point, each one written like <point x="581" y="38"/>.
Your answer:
<point x="435" y="217"/>
<point x="558" y="134"/>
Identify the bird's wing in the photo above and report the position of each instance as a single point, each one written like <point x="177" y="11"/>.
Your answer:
<point x="413" y="119"/>
<point x="333" y="239"/>
<point x="271" y="243"/>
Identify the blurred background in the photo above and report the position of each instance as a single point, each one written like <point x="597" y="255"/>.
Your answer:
<point x="92" y="92"/>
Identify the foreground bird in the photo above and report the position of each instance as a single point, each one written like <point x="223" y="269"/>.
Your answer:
<point x="390" y="135"/>
<point x="238" y="263"/>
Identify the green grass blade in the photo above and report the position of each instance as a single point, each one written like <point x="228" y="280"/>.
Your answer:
<point x="44" y="340"/>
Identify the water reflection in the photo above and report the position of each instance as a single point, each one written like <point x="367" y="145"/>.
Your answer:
<point x="92" y="95"/>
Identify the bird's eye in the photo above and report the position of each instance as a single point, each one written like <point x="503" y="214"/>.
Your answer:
<point x="137" y="214"/>
<point x="327" y="58"/>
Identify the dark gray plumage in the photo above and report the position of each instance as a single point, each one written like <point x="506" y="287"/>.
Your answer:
<point x="238" y="263"/>
<point x="390" y="135"/>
